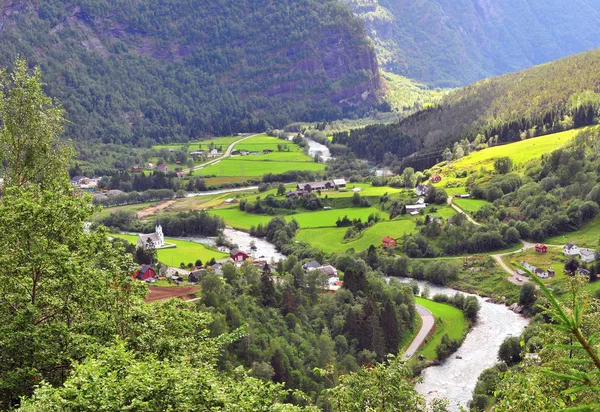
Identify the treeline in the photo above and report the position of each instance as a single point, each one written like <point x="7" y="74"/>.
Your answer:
<point x="500" y="108"/>
<point x="191" y="223"/>
<point x="136" y="197"/>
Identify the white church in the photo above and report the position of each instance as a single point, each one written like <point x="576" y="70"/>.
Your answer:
<point x="156" y="239"/>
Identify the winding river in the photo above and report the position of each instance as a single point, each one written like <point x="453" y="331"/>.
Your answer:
<point x="315" y="148"/>
<point x="456" y="377"/>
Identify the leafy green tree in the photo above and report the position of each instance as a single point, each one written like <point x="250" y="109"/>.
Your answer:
<point x="503" y="165"/>
<point x="510" y="350"/>
<point x="528" y="295"/>
<point x="281" y="189"/>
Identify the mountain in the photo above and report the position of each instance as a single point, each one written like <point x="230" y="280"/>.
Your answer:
<point x="543" y="99"/>
<point x="451" y="43"/>
<point x="163" y="70"/>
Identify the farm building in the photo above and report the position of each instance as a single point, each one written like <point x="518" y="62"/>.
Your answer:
<point x="570" y="250"/>
<point x="163" y="167"/>
<point x="150" y="166"/>
<point x="294" y="193"/>
<point x="410" y="209"/>
<point x="137" y="168"/>
<point x="587" y="255"/>
<point x="312" y="265"/>
<point x="145" y="272"/>
<point x="541" y="248"/>
<point x="339" y="183"/>
<point x="388" y="242"/>
<point x="333" y="284"/>
<point x="237" y="255"/>
<point x="309" y="187"/>
<point x="328" y="270"/>
<point x="422" y="190"/>
<point x="435" y="178"/>
<point x="464" y="196"/>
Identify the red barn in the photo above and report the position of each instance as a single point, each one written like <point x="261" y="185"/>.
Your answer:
<point x="388" y="242"/>
<point x="435" y="178"/>
<point x="144" y="272"/>
<point x="237" y="255"/>
<point x="541" y="248"/>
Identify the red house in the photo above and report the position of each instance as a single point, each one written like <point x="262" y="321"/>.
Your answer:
<point x="144" y="272"/>
<point x="541" y="248"/>
<point x="435" y="178"/>
<point x="163" y="167"/>
<point x="388" y="242"/>
<point x="237" y="255"/>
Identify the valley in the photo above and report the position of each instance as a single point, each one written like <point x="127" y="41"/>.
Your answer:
<point x="299" y="206"/>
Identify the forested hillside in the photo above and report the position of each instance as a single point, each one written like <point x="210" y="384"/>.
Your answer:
<point x="544" y="99"/>
<point x="169" y="70"/>
<point x="453" y="43"/>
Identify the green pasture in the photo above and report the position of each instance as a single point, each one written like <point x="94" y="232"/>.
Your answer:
<point x="588" y="236"/>
<point x="239" y="219"/>
<point x="444" y="212"/>
<point x="201" y="144"/>
<point x="292" y="156"/>
<point x="106" y="211"/>
<point x="470" y="206"/>
<point x="449" y="320"/>
<point x="365" y="190"/>
<point x="238" y="167"/>
<point x="327" y="218"/>
<point x="185" y="251"/>
<point x="331" y="240"/>
<point x="262" y="142"/>
<point x="520" y="152"/>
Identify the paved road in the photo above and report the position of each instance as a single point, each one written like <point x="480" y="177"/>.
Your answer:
<point x="426" y="327"/>
<point x="459" y="210"/>
<point x="225" y="155"/>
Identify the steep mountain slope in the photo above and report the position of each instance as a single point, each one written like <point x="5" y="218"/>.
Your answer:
<point x="456" y="42"/>
<point x="551" y="97"/>
<point x="173" y="69"/>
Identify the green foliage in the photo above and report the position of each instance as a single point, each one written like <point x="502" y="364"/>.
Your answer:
<point x="503" y="165"/>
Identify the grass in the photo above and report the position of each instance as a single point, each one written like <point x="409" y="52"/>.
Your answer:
<point x="276" y="157"/>
<point x="520" y="152"/>
<point x="449" y="320"/>
<point x="485" y="279"/>
<point x="106" y="211"/>
<point x="470" y="206"/>
<point x="238" y="219"/>
<point x="327" y="218"/>
<point x="185" y="251"/>
<point x="331" y="240"/>
<point x="588" y="236"/>
<point x="200" y="144"/>
<point x="238" y="167"/>
<point x="262" y="142"/>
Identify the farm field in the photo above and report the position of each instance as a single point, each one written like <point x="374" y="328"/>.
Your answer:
<point x="275" y="157"/>
<point x="588" y="236"/>
<point x="327" y="218"/>
<point x="262" y="142"/>
<point x="448" y="319"/>
<point x="250" y="168"/>
<point x="365" y="190"/>
<point x="138" y="207"/>
<point x="201" y="144"/>
<point x="185" y="252"/>
<point x="238" y="219"/>
<point x="331" y="240"/>
<point x="470" y="206"/>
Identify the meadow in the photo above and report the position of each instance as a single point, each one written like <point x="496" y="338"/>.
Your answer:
<point x="331" y="240"/>
<point x="262" y="142"/>
<point x="470" y="206"/>
<point x="201" y="144"/>
<point x="520" y="152"/>
<point x="249" y="168"/>
<point x="448" y="319"/>
<point x="588" y="236"/>
<point x="185" y="252"/>
<point x="327" y="218"/>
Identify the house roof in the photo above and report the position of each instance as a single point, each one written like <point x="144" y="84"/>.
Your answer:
<point x="338" y="182"/>
<point x="569" y="246"/>
<point x="152" y="236"/>
<point x="312" y="264"/>
<point x="587" y="252"/>
<point x="144" y="268"/>
<point x="236" y="252"/>
<point x="328" y="270"/>
<point x="388" y="239"/>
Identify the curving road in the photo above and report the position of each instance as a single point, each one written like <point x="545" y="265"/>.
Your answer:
<point x="426" y="327"/>
<point x="225" y="155"/>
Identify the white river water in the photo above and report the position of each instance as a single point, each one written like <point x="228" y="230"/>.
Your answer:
<point x="455" y="378"/>
<point x="315" y="148"/>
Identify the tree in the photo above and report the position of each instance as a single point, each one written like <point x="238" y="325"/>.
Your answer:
<point x="354" y="280"/>
<point x="280" y="189"/>
<point x="31" y="126"/>
<point x="510" y="350"/>
<point x="198" y="263"/>
<point x="503" y="165"/>
<point x="408" y="177"/>
<point x="356" y="199"/>
<point x="528" y="295"/>
<point x="571" y="266"/>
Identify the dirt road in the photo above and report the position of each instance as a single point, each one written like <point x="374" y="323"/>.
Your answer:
<point x="218" y="159"/>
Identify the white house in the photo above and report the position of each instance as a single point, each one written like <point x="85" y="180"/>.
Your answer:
<point x="339" y="183"/>
<point x="587" y="255"/>
<point x="571" y="250"/>
<point x="155" y="240"/>
<point x="410" y="209"/>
